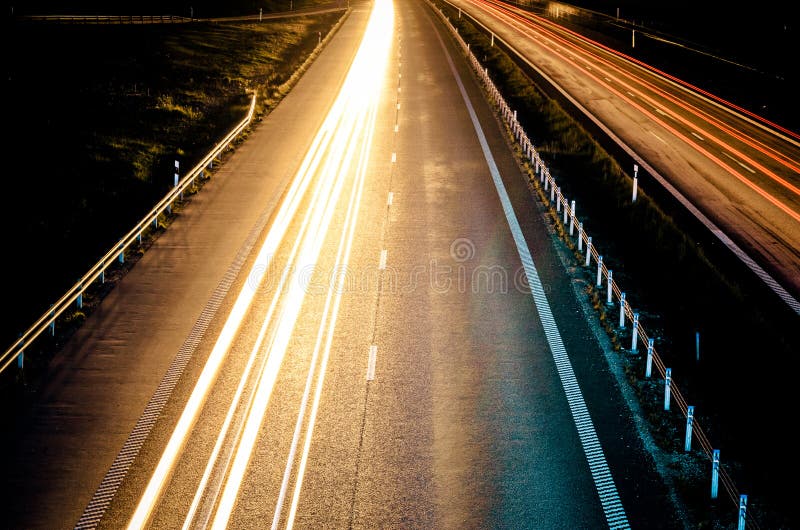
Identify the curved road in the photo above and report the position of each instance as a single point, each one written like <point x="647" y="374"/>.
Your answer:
<point x="738" y="173"/>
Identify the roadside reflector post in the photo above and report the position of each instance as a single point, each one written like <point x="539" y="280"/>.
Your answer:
<point x="459" y="13"/>
<point x="155" y="222"/>
<point x="492" y="39"/>
<point x="635" y="336"/>
<point x="177" y="170"/>
<point x="635" y="182"/>
<point x="121" y="257"/>
<point x="588" y="252"/>
<point x="53" y="323"/>
<point x="648" y="369"/>
<point x="609" y="296"/>
<point x="565" y="210"/>
<point x="599" y="282"/>
<point x="580" y="236"/>
<point x="742" y="512"/>
<point x="21" y="360"/>
<point x="687" y="444"/>
<point x="103" y="276"/>
<point x="79" y="299"/>
<point x="139" y="237"/>
<point x="633" y="38"/>
<point x="667" y="385"/>
<point x="572" y="218"/>
<point x="260" y="13"/>
<point x="558" y="200"/>
<point x="715" y="474"/>
<point x="622" y="310"/>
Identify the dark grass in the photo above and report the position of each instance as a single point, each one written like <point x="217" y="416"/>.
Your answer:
<point x="680" y="281"/>
<point x="100" y="114"/>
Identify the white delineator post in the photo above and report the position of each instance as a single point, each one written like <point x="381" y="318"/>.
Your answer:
<point x="635" y="336"/>
<point x="622" y="310"/>
<point x="635" y="182"/>
<point x="599" y="282"/>
<point x="687" y="444"/>
<point x="715" y="474"/>
<point x="667" y="385"/>
<point x="742" y="512"/>
<point x="588" y="252"/>
<point x="572" y="218"/>
<point x="609" y="296"/>
<point x="648" y="369"/>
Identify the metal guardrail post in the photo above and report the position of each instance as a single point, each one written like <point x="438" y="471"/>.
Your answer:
<point x="622" y="310"/>
<point x="610" y="285"/>
<point x="635" y="336"/>
<point x="667" y="388"/>
<point x="687" y="443"/>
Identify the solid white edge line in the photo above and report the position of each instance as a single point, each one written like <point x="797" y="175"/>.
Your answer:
<point x="599" y="468"/>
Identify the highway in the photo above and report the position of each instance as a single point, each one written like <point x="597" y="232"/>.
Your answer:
<point x="737" y="173"/>
<point x="364" y="321"/>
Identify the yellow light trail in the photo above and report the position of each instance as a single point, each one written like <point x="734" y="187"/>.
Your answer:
<point x="362" y="88"/>
<point x="357" y="93"/>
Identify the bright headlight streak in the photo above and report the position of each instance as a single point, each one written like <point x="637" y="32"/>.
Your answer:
<point x="386" y="16"/>
<point x="221" y="347"/>
<point x="340" y="265"/>
<point x="324" y="364"/>
<point x="363" y="95"/>
<point x="289" y="313"/>
<point x="248" y="368"/>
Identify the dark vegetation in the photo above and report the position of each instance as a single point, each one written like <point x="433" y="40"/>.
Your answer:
<point x="681" y="281"/>
<point x="97" y="116"/>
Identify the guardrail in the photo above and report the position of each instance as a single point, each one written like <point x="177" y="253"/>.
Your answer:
<point x="107" y="19"/>
<point x="572" y="224"/>
<point x="117" y="253"/>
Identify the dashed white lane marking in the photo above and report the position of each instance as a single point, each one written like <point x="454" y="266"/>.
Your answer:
<point x="744" y="166"/>
<point x="396" y="127"/>
<point x="607" y="79"/>
<point x="398" y="106"/>
<point x="399" y="89"/>
<point x="657" y="136"/>
<point x="373" y="358"/>
<point x="631" y="93"/>
<point x="394" y="158"/>
<point x="662" y="112"/>
<point x="598" y="467"/>
<point x="698" y="136"/>
<point x="390" y="199"/>
<point x="382" y="262"/>
<point x="588" y="67"/>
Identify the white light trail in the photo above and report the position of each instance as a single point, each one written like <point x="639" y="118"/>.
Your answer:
<point x="371" y="57"/>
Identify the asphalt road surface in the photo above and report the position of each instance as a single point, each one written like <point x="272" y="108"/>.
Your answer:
<point x="351" y="298"/>
<point x="738" y="173"/>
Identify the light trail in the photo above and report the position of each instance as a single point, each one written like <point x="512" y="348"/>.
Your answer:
<point x="346" y="130"/>
<point x="588" y="58"/>
<point x="201" y="490"/>
<point x="717" y="160"/>
<point x="749" y="116"/>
